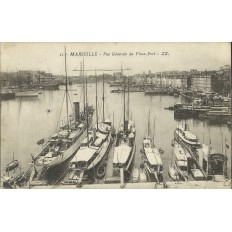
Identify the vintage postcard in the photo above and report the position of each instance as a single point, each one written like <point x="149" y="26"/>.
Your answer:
<point x="115" y="115"/>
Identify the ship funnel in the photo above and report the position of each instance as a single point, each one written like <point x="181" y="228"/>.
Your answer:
<point x="125" y="127"/>
<point x="94" y="133"/>
<point x="185" y="126"/>
<point x="76" y="106"/>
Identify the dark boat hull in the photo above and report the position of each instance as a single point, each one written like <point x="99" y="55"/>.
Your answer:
<point x="7" y="96"/>
<point x="11" y="166"/>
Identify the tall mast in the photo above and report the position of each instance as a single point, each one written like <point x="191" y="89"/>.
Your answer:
<point x="154" y="129"/>
<point x="86" y="96"/>
<point x="148" y="125"/>
<point x="113" y="118"/>
<point x="17" y="78"/>
<point x="151" y="81"/>
<point x="39" y="77"/>
<point x="128" y="103"/>
<point x="66" y="88"/>
<point x="222" y="144"/>
<point x="96" y="101"/>
<point x="83" y="86"/>
<point x="103" y="97"/>
<point x="124" y="108"/>
<point x="83" y="80"/>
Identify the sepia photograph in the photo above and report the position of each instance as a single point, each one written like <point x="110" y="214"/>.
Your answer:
<point x="115" y="115"/>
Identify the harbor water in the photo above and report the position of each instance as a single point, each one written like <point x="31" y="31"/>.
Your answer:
<point x="24" y="121"/>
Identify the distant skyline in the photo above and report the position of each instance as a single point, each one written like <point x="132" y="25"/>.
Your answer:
<point x="146" y="56"/>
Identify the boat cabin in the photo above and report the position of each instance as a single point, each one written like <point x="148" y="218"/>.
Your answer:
<point x="212" y="163"/>
<point x="83" y="158"/>
<point x="180" y="159"/>
<point x="153" y="159"/>
<point x="88" y="151"/>
<point x="197" y="174"/>
<point x="187" y="137"/>
<point x="121" y="156"/>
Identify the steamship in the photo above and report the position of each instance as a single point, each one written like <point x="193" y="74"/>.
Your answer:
<point x="212" y="164"/>
<point x="66" y="141"/>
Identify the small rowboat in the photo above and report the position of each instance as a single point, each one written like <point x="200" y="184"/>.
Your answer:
<point x="173" y="173"/>
<point x="161" y="151"/>
<point x="12" y="165"/>
<point x="41" y="141"/>
<point x="101" y="171"/>
<point x="135" y="175"/>
<point x="143" y="177"/>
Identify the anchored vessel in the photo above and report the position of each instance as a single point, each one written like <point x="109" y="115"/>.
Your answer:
<point x="223" y="115"/>
<point x="26" y="93"/>
<point x="93" y="149"/>
<point x="25" y="90"/>
<point x="6" y="94"/>
<point x="212" y="164"/>
<point x="124" y="151"/>
<point x="180" y="162"/>
<point x="151" y="156"/>
<point x="152" y="160"/>
<point x="50" y="86"/>
<point x="66" y="141"/>
<point x="12" y="165"/>
<point x="125" y="147"/>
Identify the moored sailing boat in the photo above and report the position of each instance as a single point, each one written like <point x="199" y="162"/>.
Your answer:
<point x="66" y="141"/>
<point x="151" y="157"/>
<point x="92" y="151"/>
<point x="124" y="151"/>
<point x="180" y="162"/>
<point x="152" y="160"/>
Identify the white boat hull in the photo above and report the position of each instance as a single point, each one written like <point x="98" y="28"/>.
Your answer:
<point x="104" y="149"/>
<point x="69" y="152"/>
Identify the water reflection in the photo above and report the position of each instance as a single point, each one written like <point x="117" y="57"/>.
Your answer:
<point x="25" y="121"/>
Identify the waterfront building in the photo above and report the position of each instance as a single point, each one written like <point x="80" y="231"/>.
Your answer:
<point x="202" y="82"/>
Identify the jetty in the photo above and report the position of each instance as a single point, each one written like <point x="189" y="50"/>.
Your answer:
<point x="148" y="185"/>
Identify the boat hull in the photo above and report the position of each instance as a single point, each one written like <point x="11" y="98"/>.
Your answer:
<point x="154" y="171"/>
<point x="12" y="166"/>
<point x="50" y="86"/>
<point x="26" y="94"/>
<point x="181" y="175"/>
<point x="153" y="175"/>
<point x="69" y="152"/>
<point x="173" y="174"/>
<point x="102" y="153"/>
<point x="128" y="165"/>
<point x="7" y="96"/>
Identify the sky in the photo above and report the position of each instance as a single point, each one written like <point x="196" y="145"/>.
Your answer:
<point x="140" y="57"/>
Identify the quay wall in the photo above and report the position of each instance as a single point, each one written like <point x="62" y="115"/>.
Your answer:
<point x="147" y="185"/>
